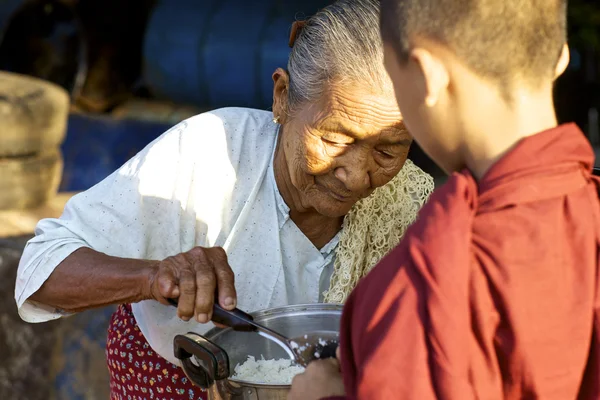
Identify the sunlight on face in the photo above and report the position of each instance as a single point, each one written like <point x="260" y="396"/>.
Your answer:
<point x="343" y="147"/>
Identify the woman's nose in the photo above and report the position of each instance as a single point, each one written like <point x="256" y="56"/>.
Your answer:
<point x="355" y="178"/>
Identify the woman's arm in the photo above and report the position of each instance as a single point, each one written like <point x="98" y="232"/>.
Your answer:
<point x="94" y="254"/>
<point x="88" y="279"/>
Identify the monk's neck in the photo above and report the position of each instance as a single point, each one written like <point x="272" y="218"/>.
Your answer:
<point x="319" y="229"/>
<point x="504" y="128"/>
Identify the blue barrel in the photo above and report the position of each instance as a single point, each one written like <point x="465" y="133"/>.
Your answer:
<point x="274" y="50"/>
<point x="172" y="63"/>
<point x="300" y="9"/>
<point x="272" y="54"/>
<point x="230" y="53"/>
<point x="96" y="146"/>
<point x="219" y="53"/>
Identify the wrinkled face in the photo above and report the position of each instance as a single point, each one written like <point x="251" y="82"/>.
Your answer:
<point x="341" y="148"/>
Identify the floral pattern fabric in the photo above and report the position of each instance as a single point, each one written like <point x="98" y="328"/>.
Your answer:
<point x="136" y="371"/>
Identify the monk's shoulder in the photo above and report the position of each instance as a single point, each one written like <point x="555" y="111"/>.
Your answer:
<point x="442" y="233"/>
<point x="449" y="211"/>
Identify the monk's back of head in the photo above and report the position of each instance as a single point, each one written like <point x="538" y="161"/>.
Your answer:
<point x="472" y="77"/>
<point x="499" y="39"/>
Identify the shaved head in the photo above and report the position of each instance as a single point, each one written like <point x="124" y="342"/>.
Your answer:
<point x="501" y="40"/>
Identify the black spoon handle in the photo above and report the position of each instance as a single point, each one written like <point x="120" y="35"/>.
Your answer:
<point x="235" y="319"/>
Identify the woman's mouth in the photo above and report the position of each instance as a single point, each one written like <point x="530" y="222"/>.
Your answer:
<point x="337" y="196"/>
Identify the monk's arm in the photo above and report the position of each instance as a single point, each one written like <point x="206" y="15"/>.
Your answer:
<point x="87" y="279"/>
<point x="384" y="352"/>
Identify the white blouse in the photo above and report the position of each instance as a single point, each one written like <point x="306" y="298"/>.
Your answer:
<point x="208" y="181"/>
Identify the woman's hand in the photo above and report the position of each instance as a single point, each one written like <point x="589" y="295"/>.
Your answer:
<point x="192" y="278"/>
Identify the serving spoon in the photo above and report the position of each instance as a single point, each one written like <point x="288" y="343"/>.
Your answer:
<point x="303" y="349"/>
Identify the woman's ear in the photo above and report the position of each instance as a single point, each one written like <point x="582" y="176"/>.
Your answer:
<point x="563" y="61"/>
<point x="281" y="82"/>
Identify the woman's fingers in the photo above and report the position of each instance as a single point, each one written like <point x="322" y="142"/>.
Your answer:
<point x="225" y="282"/>
<point x="164" y="285"/>
<point x="192" y="278"/>
<point x="205" y="293"/>
<point x="205" y="283"/>
<point x="187" y="294"/>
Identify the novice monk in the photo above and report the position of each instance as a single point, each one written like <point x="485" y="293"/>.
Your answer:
<point x="493" y="293"/>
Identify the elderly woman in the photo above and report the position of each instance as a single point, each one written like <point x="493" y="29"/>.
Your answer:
<point x="297" y="205"/>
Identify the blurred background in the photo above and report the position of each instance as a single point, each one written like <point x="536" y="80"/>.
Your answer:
<point x="86" y="84"/>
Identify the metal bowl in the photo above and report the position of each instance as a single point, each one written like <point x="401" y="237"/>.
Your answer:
<point x="226" y="348"/>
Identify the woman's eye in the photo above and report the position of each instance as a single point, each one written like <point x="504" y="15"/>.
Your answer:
<point x="337" y="140"/>
<point x="331" y="143"/>
<point x="386" y="154"/>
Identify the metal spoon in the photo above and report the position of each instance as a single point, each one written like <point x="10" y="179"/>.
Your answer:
<point x="302" y="350"/>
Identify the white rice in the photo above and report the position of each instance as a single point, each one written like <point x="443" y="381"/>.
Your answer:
<point x="273" y="372"/>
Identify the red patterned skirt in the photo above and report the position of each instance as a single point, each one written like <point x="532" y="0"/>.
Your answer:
<point x="136" y="371"/>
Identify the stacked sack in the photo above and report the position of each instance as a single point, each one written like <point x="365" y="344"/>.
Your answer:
<point x="33" y="121"/>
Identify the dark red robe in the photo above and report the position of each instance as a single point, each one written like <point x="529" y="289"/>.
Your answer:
<point x="493" y="293"/>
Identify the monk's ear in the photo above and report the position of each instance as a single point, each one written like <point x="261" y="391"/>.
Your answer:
<point x="433" y="73"/>
<point x="281" y="84"/>
<point x="563" y="61"/>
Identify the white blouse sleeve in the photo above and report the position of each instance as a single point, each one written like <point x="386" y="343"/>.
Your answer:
<point x="139" y="211"/>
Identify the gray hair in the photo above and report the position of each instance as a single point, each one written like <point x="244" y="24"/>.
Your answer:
<point x="341" y="43"/>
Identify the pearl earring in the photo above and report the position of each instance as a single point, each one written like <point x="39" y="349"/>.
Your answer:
<point x="276" y="120"/>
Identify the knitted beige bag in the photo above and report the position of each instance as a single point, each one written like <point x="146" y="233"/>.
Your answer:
<point x="375" y="225"/>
